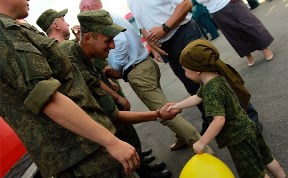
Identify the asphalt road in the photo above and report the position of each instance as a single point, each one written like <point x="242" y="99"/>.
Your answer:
<point x="267" y="82"/>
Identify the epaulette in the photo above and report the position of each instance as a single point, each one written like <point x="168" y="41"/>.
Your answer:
<point x="8" y="23"/>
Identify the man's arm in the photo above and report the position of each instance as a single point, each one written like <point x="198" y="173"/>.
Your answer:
<point x="174" y="20"/>
<point x="66" y="113"/>
<point x="153" y="45"/>
<point x="109" y="72"/>
<point x="137" y="117"/>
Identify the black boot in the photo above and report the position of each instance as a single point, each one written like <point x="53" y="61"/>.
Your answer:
<point x="143" y="172"/>
<point x="253" y="4"/>
<point x="146" y="152"/>
<point x="148" y="159"/>
<point x="155" y="167"/>
<point x="159" y="174"/>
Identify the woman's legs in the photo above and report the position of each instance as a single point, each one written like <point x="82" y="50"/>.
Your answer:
<point x="250" y="60"/>
<point x="268" y="54"/>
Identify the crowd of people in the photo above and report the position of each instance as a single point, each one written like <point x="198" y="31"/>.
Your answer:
<point x="63" y="99"/>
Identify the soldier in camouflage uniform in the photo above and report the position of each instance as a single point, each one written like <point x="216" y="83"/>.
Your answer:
<point x="90" y="69"/>
<point x="78" y="55"/>
<point x="43" y="98"/>
<point x="55" y="26"/>
<point x="224" y="96"/>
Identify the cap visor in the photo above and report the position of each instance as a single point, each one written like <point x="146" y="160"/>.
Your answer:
<point x="62" y="13"/>
<point x="113" y="30"/>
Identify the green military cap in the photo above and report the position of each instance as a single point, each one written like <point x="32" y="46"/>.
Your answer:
<point x="98" y="21"/>
<point x="47" y="17"/>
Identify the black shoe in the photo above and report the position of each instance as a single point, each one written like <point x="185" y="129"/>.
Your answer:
<point x="254" y="7"/>
<point x="148" y="159"/>
<point x="146" y="152"/>
<point x="159" y="174"/>
<point x="156" y="167"/>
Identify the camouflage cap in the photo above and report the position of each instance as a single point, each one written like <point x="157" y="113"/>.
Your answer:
<point x="98" y="21"/>
<point x="47" y="17"/>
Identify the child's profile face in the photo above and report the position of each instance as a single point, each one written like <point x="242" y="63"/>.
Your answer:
<point x="192" y="75"/>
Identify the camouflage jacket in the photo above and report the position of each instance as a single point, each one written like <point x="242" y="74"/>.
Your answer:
<point x="220" y="100"/>
<point x="32" y="69"/>
<point x="91" y="76"/>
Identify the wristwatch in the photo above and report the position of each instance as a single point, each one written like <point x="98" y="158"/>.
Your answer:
<point x="165" y="28"/>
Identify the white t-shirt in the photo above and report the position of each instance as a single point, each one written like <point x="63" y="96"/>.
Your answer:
<point x="153" y="13"/>
<point x="214" y="5"/>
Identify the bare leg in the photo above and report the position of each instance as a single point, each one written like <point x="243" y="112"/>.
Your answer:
<point x="275" y="169"/>
<point x="250" y="60"/>
<point x="268" y="54"/>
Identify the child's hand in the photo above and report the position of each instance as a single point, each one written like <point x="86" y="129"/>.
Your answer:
<point x="198" y="147"/>
<point x="167" y="115"/>
<point x="172" y="106"/>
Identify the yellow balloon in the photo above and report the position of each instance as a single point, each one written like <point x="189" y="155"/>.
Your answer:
<point x="205" y="166"/>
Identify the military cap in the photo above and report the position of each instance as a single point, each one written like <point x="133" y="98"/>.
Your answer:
<point x="47" y="17"/>
<point x="98" y="21"/>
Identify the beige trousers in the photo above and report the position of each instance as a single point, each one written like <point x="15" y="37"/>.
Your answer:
<point x="145" y="81"/>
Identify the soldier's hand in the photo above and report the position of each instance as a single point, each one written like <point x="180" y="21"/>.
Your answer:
<point x="111" y="73"/>
<point x="171" y="106"/>
<point x="115" y="87"/>
<point x="124" y="103"/>
<point x="167" y="115"/>
<point x="76" y="31"/>
<point x="125" y="154"/>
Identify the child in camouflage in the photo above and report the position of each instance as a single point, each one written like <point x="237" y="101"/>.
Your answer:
<point x="224" y="96"/>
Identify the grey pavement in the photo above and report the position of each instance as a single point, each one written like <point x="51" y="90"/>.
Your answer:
<point x="267" y="82"/>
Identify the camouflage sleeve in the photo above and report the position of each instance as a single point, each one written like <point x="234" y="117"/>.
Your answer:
<point x="199" y="92"/>
<point x="41" y="94"/>
<point x="114" y="115"/>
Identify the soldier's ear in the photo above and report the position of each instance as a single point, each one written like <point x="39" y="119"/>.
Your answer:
<point x="87" y="37"/>
<point x="56" y="26"/>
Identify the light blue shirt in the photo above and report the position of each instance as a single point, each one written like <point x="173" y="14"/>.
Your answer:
<point x="128" y="47"/>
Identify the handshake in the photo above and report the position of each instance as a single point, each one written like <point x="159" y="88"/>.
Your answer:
<point x="167" y="112"/>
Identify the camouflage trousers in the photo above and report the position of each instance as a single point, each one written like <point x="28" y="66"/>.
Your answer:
<point x="100" y="164"/>
<point x="97" y="165"/>
<point x="251" y="156"/>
